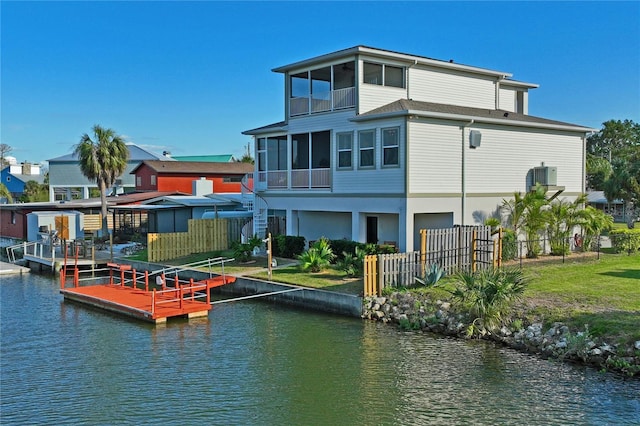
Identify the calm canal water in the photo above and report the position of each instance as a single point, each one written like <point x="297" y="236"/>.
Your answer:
<point x="255" y="363"/>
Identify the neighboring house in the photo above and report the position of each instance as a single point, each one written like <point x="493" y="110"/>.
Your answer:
<point x="172" y="213"/>
<point x="13" y="217"/>
<point x="65" y="176"/>
<point x="377" y="145"/>
<point x="15" y="177"/>
<point x="183" y="175"/>
<point x="616" y="208"/>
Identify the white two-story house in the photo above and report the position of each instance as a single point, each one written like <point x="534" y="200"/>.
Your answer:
<point x="377" y="145"/>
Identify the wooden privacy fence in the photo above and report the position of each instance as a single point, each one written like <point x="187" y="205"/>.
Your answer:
<point x="202" y="235"/>
<point x="453" y="249"/>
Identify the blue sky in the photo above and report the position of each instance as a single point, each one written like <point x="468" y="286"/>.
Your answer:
<point x="189" y="77"/>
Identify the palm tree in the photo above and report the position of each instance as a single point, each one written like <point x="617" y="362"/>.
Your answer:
<point x="593" y="222"/>
<point x="562" y="217"/>
<point x="102" y="159"/>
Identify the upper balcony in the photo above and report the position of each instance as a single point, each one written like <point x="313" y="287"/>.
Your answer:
<point x="324" y="89"/>
<point x="323" y="102"/>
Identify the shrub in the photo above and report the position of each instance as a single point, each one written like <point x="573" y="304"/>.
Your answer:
<point x="352" y="265"/>
<point x="288" y="246"/>
<point x="560" y="247"/>
<point x="318" y="257"/>
<point x="509" y="245"/>
<point x="625" y="240"/>
<point x="243" y="252"/>
<point x="488" y="296"/>
<point x="343" y="247"/>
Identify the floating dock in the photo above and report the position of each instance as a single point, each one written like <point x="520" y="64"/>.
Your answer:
<point x="127" y="292"/>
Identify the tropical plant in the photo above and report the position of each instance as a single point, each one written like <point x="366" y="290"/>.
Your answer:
<point x="593" y="222"/>
<point x="33" y="192"/>
<point x="534" y="219"/>
<point x="318" y="257"/>
<point x="4" y="193"/>
<point x="102" y="160"/>
<point x="509" y="245"/>
<point x="487" y="296"/>
<point x="243" y="252"/>
<point x="352" y="265"/>
<point x="514" y="210"/>
<point x="562" y="217"/>
<point x="432" y="275"/>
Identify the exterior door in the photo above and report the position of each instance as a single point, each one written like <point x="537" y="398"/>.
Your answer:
<point x="372" y="230"/>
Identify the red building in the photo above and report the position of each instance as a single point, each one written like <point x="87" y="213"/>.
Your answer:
<point x="154" y="175"/>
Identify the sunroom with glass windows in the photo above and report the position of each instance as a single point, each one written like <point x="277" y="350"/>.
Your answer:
<point x="323" y="89"/>
<point x="298" y="161"/>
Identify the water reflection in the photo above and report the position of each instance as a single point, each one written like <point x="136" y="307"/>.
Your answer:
<point x="258" y="363"/>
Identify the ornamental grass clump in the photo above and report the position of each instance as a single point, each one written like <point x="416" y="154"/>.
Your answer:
<point x="488" y="296"/>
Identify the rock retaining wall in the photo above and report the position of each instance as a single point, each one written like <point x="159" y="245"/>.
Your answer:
<point x="418" y="312"/>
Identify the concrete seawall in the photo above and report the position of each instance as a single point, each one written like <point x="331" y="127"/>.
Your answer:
<point x="300" y="297"/>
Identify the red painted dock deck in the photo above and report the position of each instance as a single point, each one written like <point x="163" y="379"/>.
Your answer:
<point x="188" y="300"/>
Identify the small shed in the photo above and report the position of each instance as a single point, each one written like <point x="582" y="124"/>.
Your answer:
<point x="68" y="225"/>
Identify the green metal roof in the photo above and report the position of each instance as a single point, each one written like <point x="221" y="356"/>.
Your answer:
<point x="224" y="158"/>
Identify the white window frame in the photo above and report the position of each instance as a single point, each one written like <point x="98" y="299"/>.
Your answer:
<point x="340" y="149"/>
<point x="368" y="148"/>
<point x="386" y="146"/>
<point x="153" y="180"/>
<point x="138" y="180"/>
<point x="384" y="76"/>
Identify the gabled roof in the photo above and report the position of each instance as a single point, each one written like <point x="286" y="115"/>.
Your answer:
<point x="390" y="54"/>
<point x="224" y="158"/>
<point x="196" y="167"/>
<point x="135" y="154"/>
<point x="405" y="107"/>
<point x="26" y="178"/>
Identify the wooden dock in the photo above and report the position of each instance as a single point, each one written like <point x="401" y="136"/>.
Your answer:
<point x="46" y="257"/>
<point x="127" y="292"/>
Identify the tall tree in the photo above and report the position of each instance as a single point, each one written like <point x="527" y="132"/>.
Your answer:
<point x="616" y="141"/>
<point x="4" y="150"/>
<point x="102" y="160"/>
<point x="615" y="137"/>
<point x="624" y="183"/>
<point x="33" y="191"/>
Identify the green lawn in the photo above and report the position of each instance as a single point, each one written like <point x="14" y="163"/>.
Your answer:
<point x="603" y="294"/>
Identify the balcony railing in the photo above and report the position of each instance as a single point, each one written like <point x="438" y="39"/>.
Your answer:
<point x="322" y="102"/>
<point x="295" y="179"/>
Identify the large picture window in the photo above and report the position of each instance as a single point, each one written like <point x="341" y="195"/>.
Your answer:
<point x="390" y="146"/>
<point x="367" y="148"/>
<point x="345" y="150"/>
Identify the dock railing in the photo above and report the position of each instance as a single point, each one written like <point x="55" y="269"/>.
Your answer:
<point x="26" y="248"/>
<point x="172" y="289"/>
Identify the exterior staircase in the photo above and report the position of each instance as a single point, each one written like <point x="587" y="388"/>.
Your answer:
<point x="253" y="202"/>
